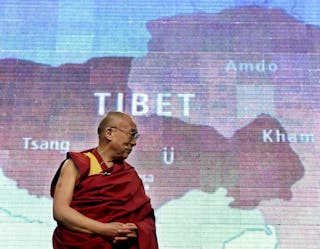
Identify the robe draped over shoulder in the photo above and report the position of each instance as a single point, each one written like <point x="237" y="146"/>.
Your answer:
<point x="115" y="194"/>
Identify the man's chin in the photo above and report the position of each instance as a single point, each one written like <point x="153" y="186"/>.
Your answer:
<point x="123" y="157"/>
<point x="127" y="153"/>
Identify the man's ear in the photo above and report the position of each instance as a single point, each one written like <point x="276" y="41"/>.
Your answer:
<point x="108" y="133"/>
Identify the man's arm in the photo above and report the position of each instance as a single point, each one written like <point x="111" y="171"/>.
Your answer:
<point x="71" y="218"/>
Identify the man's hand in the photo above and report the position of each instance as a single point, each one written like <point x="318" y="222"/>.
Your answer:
<point x="126" y="232"/>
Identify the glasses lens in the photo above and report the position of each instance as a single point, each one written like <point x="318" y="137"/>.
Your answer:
<point x="134" y="135"/>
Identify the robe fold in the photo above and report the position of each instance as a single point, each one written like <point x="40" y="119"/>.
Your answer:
<point x="113" y="194"/>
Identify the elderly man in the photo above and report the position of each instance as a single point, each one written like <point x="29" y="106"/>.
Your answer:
<point x="98" y="198"/>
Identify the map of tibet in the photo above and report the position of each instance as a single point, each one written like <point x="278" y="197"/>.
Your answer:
<point x="225" y="102"/>
<point x="203" y="158"/>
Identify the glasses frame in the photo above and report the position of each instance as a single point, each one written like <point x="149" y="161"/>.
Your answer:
<point x="133" y="135"/>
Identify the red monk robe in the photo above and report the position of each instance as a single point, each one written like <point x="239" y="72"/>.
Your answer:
<point x="113" y="194"/>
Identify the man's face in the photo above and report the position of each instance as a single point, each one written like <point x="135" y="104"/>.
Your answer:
<point x="124" y="138"/>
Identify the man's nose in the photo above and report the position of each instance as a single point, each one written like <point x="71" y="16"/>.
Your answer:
<point x="133" y="142"/>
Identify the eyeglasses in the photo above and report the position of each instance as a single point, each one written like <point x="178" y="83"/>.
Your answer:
<point x="132" y="134"/>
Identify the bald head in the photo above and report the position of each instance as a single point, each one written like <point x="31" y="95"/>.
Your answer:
<point x="113" y="119"/>
<point x="117" y="136"/>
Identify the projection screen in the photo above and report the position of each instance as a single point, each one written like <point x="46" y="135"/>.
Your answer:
<point x="225" y="95"/>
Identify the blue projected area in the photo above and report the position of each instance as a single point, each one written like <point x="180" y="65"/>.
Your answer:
<point x="58" y="32"/>
<point x="225" y="95"/>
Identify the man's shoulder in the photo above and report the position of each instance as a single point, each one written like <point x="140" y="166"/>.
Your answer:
<point x="79" y="154"/>
<point x="129" y="168"/>
<point x="80" y="159"/>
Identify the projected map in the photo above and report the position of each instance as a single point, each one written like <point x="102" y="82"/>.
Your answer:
<point x="226" y="99"/>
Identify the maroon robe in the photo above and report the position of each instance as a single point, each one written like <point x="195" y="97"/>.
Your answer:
<point x="114" y="195"/>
